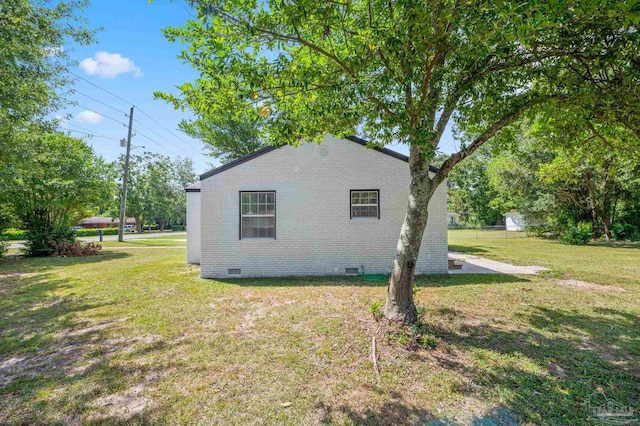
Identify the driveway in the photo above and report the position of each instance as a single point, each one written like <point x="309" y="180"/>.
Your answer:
<point x="479" y="265"/>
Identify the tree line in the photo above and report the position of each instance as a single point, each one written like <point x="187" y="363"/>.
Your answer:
<point x="50" y="180"/>
<point x="556" y="184"/>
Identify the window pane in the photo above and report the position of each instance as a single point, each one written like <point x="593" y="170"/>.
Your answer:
<point x="253" y="222"/>
<point x="271" y="227"/>
<point x="355" y="198"/>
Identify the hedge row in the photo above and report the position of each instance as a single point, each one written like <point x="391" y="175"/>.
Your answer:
<point x="14" y="234"/>
<point x="17" y="234"/>
<point x="94" y="232"/>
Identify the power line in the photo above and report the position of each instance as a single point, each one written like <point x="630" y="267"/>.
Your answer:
<point x="89" y="134"/>
<point x="99" y="101"/>
<point x="131" y="103"/>
<point x="90" y="130"/>
<point x="162" y="127"/>
<point x="152" y="140"/>
<point x="104" y="115"/>
<point x="101" y="88"/>
<point x="157" y="134"/>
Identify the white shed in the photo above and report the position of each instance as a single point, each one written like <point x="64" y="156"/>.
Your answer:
<point x="514" y="221"/>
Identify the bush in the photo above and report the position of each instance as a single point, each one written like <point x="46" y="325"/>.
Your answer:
<point x="4" y="248"/>
<point x="94" y="232"/>
<point x="576" y="234"/>
<point x="14" y="234"/>
<point x="41" y="242"/>
<point x="74" y="248"/>
<point x="375" y="308"/>
<point x="625" y="232"/>
<point x="177" y="228"/>
<point x="535" y="230"/>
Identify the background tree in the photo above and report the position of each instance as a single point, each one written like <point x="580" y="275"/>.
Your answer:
<point x="33" y="62"/>
<point x="471" y="193"/>
<point x="227" y="137"/>
<point x="399" y="71"/>
<point x="156" y="190"/>
<point x="53" y="181"/>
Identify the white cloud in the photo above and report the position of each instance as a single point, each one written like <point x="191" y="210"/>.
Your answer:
<point x="109" y="65"/>
<point x="88" y="117"/>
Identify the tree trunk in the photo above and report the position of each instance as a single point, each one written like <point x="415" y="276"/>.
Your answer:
<point x="607" y="227"/>
<point x="594" y="213"/>
<point x="400" y="306"/>
<point x="138" y="224"/>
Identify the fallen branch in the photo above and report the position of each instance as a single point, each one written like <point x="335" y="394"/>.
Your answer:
<point x="374" y="356"/>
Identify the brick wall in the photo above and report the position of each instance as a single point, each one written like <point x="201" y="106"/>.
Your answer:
<point x="314" y="232"/>
<point x="193" y="227"/>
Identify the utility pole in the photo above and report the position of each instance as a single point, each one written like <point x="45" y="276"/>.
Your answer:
<point x="125" y="178"/>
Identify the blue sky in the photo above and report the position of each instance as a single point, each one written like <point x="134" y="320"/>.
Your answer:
<point x="132" y="59"/>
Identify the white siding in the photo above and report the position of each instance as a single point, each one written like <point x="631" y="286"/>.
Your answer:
<point x="193" y="227"/>
<point x="314" y="232"/>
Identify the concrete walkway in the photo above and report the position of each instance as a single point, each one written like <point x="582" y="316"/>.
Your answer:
<point x="479" y="265"/>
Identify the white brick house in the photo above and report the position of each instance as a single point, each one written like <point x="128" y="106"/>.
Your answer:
<point x="327" y="209"/>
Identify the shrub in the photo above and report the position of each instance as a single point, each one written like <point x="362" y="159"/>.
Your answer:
<point x="4" y="247"/>
<point x="14" y="234"/>
<point x="625" y="232"/>
<point x="74" y="248"/>
<point x="579" y="234"/>
<point x="41" y="242"/>
<point x="375" y="308"/>
<point x="535" y="230"/>
<point x="177" y="228"/>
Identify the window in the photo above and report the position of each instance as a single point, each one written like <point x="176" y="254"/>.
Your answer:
<point x="258" y="214"/>
<point x="365" y="203"/>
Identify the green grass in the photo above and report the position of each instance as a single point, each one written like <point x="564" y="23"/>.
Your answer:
<point x="134" y="336"/>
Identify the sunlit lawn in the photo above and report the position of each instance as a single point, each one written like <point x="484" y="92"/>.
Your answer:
<point x="134" y="335"/>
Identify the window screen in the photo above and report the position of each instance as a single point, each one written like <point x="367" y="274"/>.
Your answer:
<point x="258" y="214"/>
<point x="365" y="203"/>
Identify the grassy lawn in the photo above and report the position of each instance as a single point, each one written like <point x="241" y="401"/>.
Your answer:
<point x="135" y="336"/>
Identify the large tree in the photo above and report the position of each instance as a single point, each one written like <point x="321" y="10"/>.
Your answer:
<point x="398" y="71"/>
<point x="33" y="61"/>
<point x="53" y="181"/>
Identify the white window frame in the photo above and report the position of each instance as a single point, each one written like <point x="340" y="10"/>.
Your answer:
<point x="257" y="215"/>
<point x="377" y="205"/>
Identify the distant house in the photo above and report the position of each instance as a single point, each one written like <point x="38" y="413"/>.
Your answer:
<point x="333" y="208"/>
<point x="104" y="222"/>
<point x="514" y="221"/>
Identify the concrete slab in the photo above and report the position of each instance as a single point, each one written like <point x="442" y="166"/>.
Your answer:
<point x="479" y="265"/>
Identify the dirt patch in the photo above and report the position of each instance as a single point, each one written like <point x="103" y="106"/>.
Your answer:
<point x="17" y="274"/>
<point x="581" y="285"/>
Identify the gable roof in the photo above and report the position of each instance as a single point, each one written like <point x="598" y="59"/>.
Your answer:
<point x="194" y="187"/>
<point x="270" y="148"/>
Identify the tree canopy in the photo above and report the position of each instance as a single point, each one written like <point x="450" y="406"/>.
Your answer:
<point x="401" y="72"/>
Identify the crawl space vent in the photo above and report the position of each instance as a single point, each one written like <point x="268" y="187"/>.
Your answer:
<point x="234" y="271"/>
<point x="351" y="271"/>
